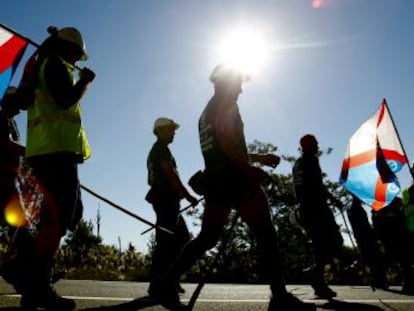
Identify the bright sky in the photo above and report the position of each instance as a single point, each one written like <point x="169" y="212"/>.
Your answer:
<point x="327" y="67"/>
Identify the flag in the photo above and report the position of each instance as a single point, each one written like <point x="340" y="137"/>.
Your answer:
<point x="374" y="154"/>
<point x="12" y="48"/>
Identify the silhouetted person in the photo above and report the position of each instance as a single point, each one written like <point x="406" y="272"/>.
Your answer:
<point x="231" y="183"/>
<point x="316" y="216"/>
<point x="165" y="195"/>
<point x="368" y="244"/>
<point x="391" y="227"/>
<point x="55" y="144"/>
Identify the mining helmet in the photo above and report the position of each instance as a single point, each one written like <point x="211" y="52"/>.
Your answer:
<point x="72" y="35"/>
<point x="223" y="73"/>
<point x="308" y="141"/>
<point x="164" y="122"/>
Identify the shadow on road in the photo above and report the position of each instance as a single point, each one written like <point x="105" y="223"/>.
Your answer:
<point x="136" y="304"/>
<point x="348" y="306"/>
<point x="145" y="302"/>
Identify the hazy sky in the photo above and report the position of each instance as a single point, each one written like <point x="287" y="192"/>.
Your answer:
<point x="330" y="63"/>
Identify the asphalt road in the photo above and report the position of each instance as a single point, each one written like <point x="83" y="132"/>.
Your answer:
<point x="125" y="296"/>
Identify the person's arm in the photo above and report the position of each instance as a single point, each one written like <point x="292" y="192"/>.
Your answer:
<point x="230" y="136"/>
<point x="60" y="85"/>
<point x="175" y="181"/>
<point x="268" y="159"/>
<point x="298" y="181"/>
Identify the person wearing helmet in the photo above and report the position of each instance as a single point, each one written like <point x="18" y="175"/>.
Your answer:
<point x="165" y="195"/>
<point x="55" y="144"/>
<point x="317" y="218"/>
<point x="230" y="183"/>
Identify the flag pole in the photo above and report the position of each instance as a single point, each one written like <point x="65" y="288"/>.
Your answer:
<point x="399" y="138"/>
<point x="35" y="44"/>
<point x="19" y="35"/>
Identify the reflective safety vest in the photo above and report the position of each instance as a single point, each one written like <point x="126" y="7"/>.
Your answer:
<point x="408" y="208"/>
<point x="50" y="128"/>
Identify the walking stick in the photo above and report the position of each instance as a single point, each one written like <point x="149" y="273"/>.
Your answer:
<point x="348" y="230"/>
<point x="181" y="210"/>
<point x="124" y="210"/>
<point x="225" y="239"/>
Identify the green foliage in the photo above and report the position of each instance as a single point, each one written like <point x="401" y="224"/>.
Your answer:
<point x="84" y="257"/>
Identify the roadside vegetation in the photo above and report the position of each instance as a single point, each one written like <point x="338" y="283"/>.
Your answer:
<point x="84" y="256"/>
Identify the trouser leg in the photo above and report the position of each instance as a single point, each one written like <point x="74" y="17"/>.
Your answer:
<point x="268" y="248"/>
<point x="165" y="250"/>
<point x="190" y="253"/>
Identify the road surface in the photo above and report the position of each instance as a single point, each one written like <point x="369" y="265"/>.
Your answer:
<point x="124" y="296"/>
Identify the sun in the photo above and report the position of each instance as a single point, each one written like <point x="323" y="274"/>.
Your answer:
<point x="244" y="48"/>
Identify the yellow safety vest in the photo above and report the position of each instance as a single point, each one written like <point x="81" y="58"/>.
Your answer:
<point x="50" y="128"/>
<point x="408" y="209"/>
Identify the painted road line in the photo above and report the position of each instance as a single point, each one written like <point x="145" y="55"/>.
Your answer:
<point x="95" y="298"/>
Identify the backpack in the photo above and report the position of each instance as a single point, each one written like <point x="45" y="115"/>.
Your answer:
<point x="28" y="82"/>
<point x="27" y="85"/>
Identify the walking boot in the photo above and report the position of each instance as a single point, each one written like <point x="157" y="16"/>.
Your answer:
<point x="324" y="292"/>
<point x="48" y="300"/>
<point x="165" y="293"/>
<point x="408" y="279"/>
<point x="319" y="285"/>
<point x="289" y="302"/>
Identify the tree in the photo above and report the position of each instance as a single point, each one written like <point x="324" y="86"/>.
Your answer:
<point x="80" y="241"/>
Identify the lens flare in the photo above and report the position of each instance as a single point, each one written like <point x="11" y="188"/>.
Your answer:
<point x="13" y="213"/>
<point x="316" y="4"/>
<point x="243" y="48"/>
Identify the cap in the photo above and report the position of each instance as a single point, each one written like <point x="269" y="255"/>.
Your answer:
<point x="223" y="72"/>
<point x="164" y="122"/>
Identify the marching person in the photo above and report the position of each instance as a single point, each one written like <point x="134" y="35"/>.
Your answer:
<point x="391" y="227"/>
<point x="165" y="195"/>
<point x="316" y="216"/>
<point x="367" y="243"/>
<point x="55" y="144"/>
<point x="230" y="183"/>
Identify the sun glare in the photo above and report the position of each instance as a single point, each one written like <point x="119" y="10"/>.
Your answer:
<point x="13" y="213"/>
<point x="243" y="48"/>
